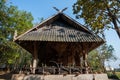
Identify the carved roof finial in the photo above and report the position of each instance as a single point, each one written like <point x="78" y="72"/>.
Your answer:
<point x="15" y="35"/>
<point x="59" y="10"/>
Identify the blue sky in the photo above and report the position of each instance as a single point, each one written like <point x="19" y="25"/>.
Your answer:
<point x="43" y="8"/>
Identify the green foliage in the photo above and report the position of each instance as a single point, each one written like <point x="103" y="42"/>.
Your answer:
<point x="99" y="14"/>
<point x="113" y="75"/>
<point x="97" y="58"/>
<point x="94" y="61"/>
<point x="118" y="74"/>
<point x="107" y="52"/>
<point x="12" y="19"/>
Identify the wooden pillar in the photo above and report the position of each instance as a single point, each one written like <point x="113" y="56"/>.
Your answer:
<point x="85" y="54"/>
<point x="77" y="59"/>
<point x="35" y="58"/>
<point x="85" y="65"/>
<point x="81" y="63"/>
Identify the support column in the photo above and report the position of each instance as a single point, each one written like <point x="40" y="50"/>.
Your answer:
<point x="85" y="65"/>
<point x="35" y="58"/>
<point x="81" y="64"/>
<point x="77" y="59"/>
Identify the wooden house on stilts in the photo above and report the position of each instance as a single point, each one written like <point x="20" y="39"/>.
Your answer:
<point x="61" y="40"/>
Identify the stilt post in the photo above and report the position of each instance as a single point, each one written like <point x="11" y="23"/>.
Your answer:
<point x="85" y="65"/>
<point x="35" y="58"/>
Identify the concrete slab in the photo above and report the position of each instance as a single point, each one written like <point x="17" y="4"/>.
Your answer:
<point x="61" y="77"/>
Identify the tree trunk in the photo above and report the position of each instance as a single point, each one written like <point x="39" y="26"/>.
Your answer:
<point x="117" y="29"/>
<point x="114" y="21"/>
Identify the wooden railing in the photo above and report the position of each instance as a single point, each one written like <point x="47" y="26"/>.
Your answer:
<point x="51" y="70"/>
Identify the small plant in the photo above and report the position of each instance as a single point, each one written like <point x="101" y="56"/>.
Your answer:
<point x="113" y="75"/>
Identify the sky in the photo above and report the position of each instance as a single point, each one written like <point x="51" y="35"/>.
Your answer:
<point x="44" y="9"/>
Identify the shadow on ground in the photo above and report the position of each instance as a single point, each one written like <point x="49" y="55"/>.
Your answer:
<point x="6" y="76"/>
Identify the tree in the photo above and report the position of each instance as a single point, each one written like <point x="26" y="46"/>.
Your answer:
<point x="93" y="60"/>
<point x="98" y="57"/>
<point x="99" y="15"/>
<point x="12" y="19"/>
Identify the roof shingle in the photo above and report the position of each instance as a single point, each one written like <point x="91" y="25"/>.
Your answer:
<point x="61" y="32"/>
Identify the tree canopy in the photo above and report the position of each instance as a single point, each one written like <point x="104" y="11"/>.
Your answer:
<point x="99" y="15"/>
<point x="11" y="19"/>
<point x="98" y="57"/>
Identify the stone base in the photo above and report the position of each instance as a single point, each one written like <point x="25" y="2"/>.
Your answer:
<point x="60" y="77"/>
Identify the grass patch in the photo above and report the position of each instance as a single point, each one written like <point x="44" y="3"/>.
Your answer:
<point x="113" y="75"/>
<point x="118" y="74"/>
